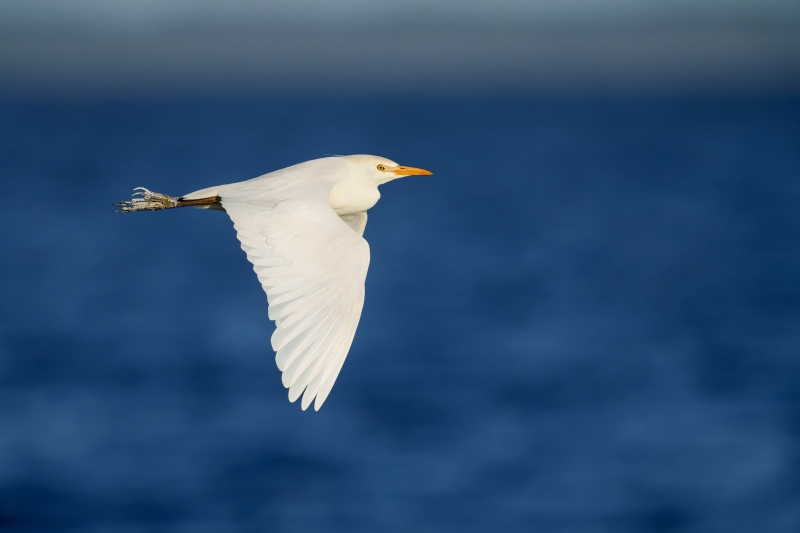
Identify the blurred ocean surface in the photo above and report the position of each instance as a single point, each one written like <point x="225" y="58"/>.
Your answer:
<point x="588" y="320"/>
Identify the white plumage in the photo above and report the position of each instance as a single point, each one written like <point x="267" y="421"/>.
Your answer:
<point x="302" y="228"/>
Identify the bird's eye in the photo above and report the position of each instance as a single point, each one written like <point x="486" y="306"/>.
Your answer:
<point x="381" y="168"/>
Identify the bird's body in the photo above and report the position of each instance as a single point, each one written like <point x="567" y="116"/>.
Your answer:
<point x="302" y="228"/>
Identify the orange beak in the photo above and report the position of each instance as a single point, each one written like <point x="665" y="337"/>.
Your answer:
<point x="400" y="170"/>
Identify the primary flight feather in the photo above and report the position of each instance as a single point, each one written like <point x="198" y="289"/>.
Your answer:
<point x="302" y="228"/>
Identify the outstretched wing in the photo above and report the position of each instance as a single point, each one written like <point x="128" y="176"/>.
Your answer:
<point x="312" y="266"/>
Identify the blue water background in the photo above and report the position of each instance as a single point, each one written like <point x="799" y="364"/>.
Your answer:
<point x="588" y="320"/>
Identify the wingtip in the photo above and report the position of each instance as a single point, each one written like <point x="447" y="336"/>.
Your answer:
<point x="306" y="401"/>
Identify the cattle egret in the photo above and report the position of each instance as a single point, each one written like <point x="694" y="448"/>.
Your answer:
<point x="302" y="228"/>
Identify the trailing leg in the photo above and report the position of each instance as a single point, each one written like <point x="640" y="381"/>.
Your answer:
<point x="145" y="200"/>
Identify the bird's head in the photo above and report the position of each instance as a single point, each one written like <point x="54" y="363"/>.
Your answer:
<point x="382" y="170"/>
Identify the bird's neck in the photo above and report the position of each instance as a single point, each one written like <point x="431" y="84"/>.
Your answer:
<point x="353" y="196"/>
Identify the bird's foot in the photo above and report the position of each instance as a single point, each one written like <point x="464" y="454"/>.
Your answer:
<point x="145" y="200"/>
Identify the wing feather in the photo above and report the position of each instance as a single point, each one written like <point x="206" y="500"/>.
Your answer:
<point x="312" y="266"/>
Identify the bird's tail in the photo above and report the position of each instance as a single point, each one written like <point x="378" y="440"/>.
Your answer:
<point x="145" y="200"/>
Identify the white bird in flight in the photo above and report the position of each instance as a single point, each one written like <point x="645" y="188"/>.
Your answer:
<point x="302" y="228"/>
